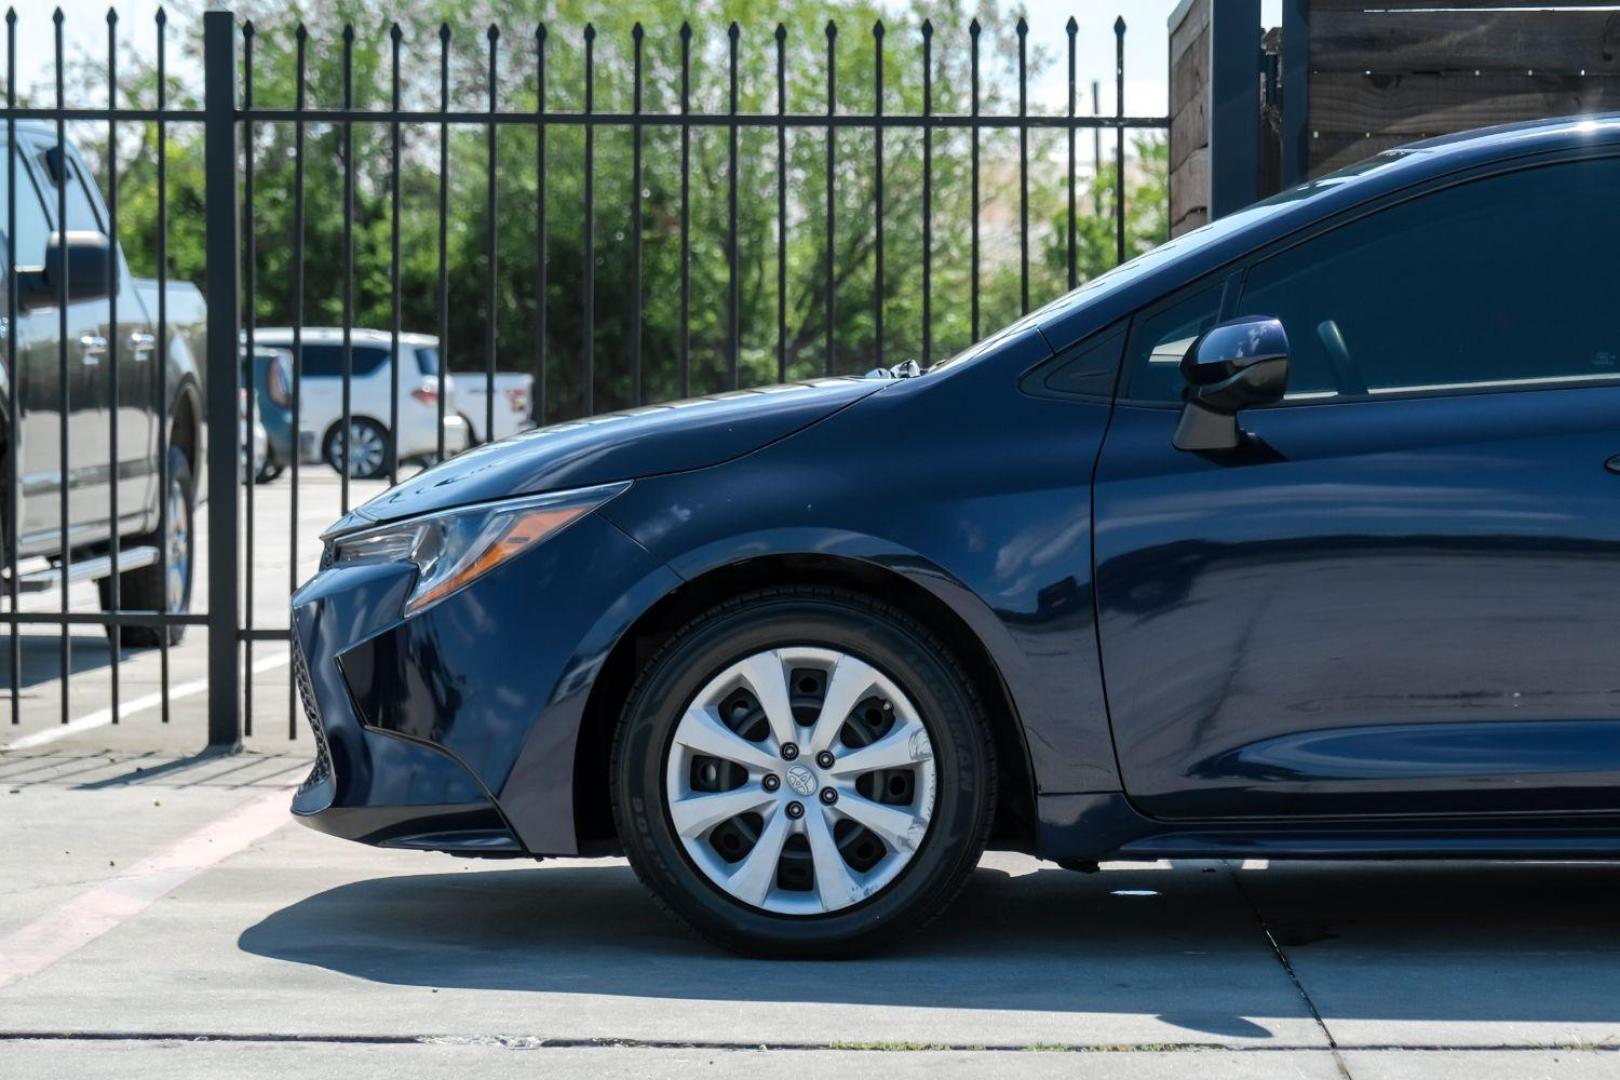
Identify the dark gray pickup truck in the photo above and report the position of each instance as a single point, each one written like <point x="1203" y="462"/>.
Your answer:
<point x="76" y="254"/>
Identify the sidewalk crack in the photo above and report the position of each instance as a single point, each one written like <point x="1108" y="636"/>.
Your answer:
<point x="1288" y="969"/>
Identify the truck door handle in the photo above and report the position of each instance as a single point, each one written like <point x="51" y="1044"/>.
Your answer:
<point x="92" y="347"/>
<point x="1613" y="464"/>
<point x="141" y="344"/>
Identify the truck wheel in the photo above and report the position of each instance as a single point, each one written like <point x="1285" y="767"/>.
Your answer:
<point x="368" y="456"/>
<point x="149" y="588"/>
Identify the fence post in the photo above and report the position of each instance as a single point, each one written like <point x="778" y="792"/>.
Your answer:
<point x="1234" y="105"/>
<point x="221" y="376"/>
<point x="1296" y="82"/>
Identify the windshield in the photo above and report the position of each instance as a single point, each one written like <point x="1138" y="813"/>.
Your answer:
<point x="1187" y="243"/>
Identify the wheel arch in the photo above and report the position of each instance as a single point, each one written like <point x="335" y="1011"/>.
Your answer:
<point x="1015" y="823"/>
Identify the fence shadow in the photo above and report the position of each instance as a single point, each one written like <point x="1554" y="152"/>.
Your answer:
<point x="1407" y="942"/>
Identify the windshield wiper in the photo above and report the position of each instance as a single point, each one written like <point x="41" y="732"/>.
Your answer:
<point x="905" y="369"/>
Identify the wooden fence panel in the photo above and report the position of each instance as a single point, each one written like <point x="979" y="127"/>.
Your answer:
<point x="1393" y="71"/>
<point x="1189" y="115"/>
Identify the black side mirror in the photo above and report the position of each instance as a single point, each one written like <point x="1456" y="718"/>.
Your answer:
<point x="1232" y="366"/>
<point x="79" y="258"/>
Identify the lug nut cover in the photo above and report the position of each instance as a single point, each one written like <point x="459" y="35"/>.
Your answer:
<point x="825" y="759"/>
<point x="789" y="751"/>
<point x="772" y="782"/>
<point x="829" y="796"/>
<point x="795" y="810"/>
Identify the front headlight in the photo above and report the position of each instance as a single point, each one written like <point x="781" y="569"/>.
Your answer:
<point x="454" y="548"/>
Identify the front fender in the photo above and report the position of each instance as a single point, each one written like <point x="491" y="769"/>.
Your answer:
<point x="974" y="491"/>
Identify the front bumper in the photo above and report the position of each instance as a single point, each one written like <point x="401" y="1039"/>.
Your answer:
<point x="455" y="730"/>
<point x="373" y="786"/>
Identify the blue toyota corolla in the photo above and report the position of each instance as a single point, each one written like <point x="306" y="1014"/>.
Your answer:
<point x="1298" y="537"/>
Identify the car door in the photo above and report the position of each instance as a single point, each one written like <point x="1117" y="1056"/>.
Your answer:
<point x="39" y="466"/>
<point x="90" y="345"/>
<point x="1402" y="600"/>
<point x="130" y="348"/>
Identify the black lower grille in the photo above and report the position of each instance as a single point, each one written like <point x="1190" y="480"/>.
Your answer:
<point x="312" y="712"/>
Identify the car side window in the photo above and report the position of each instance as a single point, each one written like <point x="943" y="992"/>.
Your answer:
<point x="32" y="228"/>
<point x="1088" y="369"/>
<point x="81" y="208"/>
<point x="1498" y="282"/>
<point x="1159" y="339"/>
<point x="324" y="361"/>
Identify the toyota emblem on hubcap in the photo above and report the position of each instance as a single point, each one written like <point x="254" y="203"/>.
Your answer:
<point x="801" y="780"/>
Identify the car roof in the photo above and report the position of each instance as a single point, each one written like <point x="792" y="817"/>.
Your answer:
<point x="1189" y="256"/>
<point x="333" y="335"/>
<point x="33" y="127"/>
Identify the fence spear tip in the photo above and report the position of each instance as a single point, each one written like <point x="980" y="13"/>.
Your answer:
<point x="832" y="29"/>
<point x="877" y="29"/>
<point x="348" y="33"/>
<point x="395" y="33"/>
<point x="973" y="27"/>
<point x="590" y="31"/>
<point x="444" y="32"/>
<point x="928" y="28"/>
<point x="1022" y="26"/>
<point x="1071" y="26"/>
<point x="112" y="16"/>
<point x="162" y="16"/>
<point x="58" y="17"/>
<point x="781" y="32"/>
<point x="493" y="32"/>
<point x="637" y="32"/>
<point x="540" y="33"/>
<point x="1119" y="25"/>
<point x="686" y="31"/>
<point x="733" y="31"/>
<point x="301" y="33"/>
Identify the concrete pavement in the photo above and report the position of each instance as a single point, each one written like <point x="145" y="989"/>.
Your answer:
<point x="301" y="951"/>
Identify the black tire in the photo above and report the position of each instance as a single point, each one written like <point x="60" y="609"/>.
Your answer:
<point x="365" y="428"/>
<point x="145" y="588"/>
<point x="892" y="642"/>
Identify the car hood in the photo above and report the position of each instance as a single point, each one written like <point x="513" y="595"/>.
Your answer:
<point x="676" y="437"/>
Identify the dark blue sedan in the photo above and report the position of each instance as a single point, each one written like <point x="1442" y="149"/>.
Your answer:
<point x="1297" y="537"/>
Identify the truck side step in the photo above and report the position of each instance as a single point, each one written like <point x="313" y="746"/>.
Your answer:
<point x="130" y="558"/>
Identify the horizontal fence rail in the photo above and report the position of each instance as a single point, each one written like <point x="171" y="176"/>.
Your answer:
<point x="686" y="221"/>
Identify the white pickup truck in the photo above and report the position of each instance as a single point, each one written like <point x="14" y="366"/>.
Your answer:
<point x="514" y="392"/>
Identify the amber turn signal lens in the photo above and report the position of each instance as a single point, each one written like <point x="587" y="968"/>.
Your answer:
<point x="507" y="537"/>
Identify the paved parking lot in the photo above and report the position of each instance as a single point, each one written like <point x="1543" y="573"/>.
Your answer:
<point x="159" y="915"/>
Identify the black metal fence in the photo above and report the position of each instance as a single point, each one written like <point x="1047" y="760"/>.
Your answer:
<point x="230" y="115"/>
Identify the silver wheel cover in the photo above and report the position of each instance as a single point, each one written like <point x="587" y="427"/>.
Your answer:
<point x="366" y="453"/>
<point x="807" y="855"/>
<point x="178" y="553"/>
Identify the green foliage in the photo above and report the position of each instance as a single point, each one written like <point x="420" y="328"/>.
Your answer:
<point x="468" y="235"/>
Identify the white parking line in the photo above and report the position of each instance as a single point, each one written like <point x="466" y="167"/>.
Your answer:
<point x="103" y="717"/>
<point x="89" y="915"/>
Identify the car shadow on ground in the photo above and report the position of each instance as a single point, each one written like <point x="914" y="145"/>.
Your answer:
<point x="41" y="656"/>
<point x="1399" y="941"/>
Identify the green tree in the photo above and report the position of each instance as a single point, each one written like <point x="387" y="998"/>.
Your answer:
<point x="465" y="187"/>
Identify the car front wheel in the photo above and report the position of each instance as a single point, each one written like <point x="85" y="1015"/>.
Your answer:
<point x="803" y="772"/>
